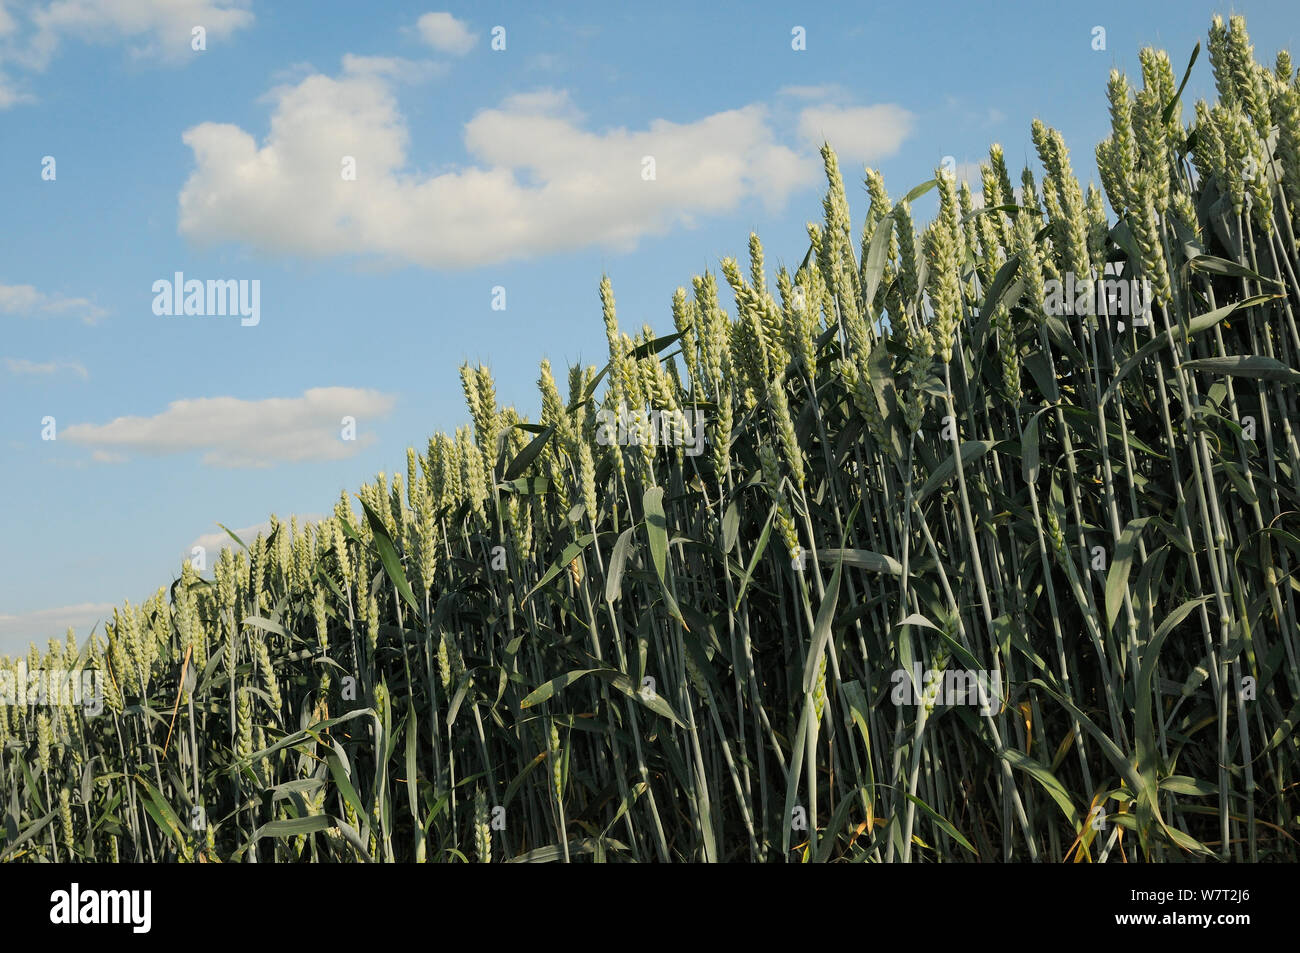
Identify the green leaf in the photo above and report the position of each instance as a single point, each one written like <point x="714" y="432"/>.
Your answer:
<point x="527" y="455"/>
<point x="822" y="627"/>
<point x="1285" y="729"/>
<point x="759" y="548"/>
<point x="547" y="689"/>
<point x="874" y="265"/>
<point x="560" y="565"/>
<point x="1029" y="447"/>
<point x="1144" y="715"/>
<point x="859" y="710"/>
<point x="513" y="787"/>
<point x="290" y="827"/>
<point x="864" y="559"/>
<point x="1221" y="266"/>
<point x="526" y="486"/>
<point x="917" y="619"/>
<point x="392" y="563"/>
<point x="412" y="769"/>
<point x="1167" y="113"/>
<point x="260" y="623"/>
<point x="943" y="823"/>
<point x="311" y="731"/>
<point x="231" y="533"/>
<point x="163" y="815"/>
<point x="1141" y="786"/>
<point x="336" y="759"/>
<point x="882" y="384"/>
<point x="1196" y="326"/>
<point x="1194" y="787"/>
<point x="920" y="190"/>
<point x="617" y="562"/>
<point x="1039" y="365"/>
<point x="653" y="347"/>
<point x="971" y="450"/>
<point x="730" y="527"/>
<point x="554" y="852"/>
<point x="1002" y="283"/>
<point x="655" y="702"/>
<point x="1040" y="773"/>
<point x="1117" y="575"/>
<point x="835" y="827"/>
<point x="794" y="774"/>
<point x="1254" y="366"/>
<point x="27" y="834"/>
<point x="1238" y="480"/>
<point x="656" y="528"/>
<point x="1010" y="209"/>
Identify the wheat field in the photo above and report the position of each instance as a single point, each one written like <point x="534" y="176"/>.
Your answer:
<point x="1041" y="447"/>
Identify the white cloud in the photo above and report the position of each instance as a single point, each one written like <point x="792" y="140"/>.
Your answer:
<point x="548" y="101"/>
<point x="159" y="29"/>
<point x="21" y="365"/>
<point x="245" y="433"/>
<point x="394" y="67"/>
<point x="856" y="133"/>
<point x="26" y="300"/>
<point x="541" y="180"/>
<point x="445" y="33"/>
<point x="9" y="96"/>
<point x="970" y="173"/>
<point x="828" y="91"/>
<point x="18" y="631"/>
<point x="545" y="63"/>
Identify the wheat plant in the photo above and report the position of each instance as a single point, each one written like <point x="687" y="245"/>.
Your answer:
<point x="957" y="451"/>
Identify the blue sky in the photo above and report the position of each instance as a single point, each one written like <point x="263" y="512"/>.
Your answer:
<point x="475" y="168"/>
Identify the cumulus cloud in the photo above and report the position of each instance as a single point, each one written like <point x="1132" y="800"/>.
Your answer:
<point x="823" y="92"/>
<point x="856" y="133"/>
<point x="10" y="95"/>
<point x="540" y="180"/>
<point x="26" y="301"/>
<point x="18" y="631"/>
<point x="157" y="29"/>
<point x="23" y="366"/>
<point x="232" y="432"/>
<point x="445" y="33"/>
